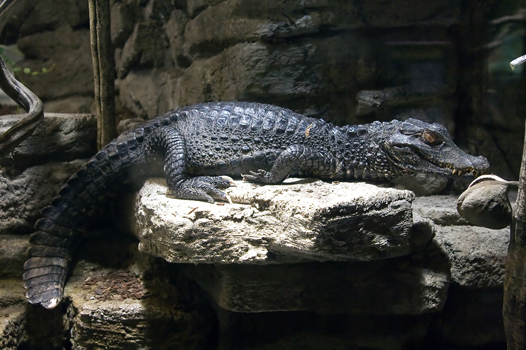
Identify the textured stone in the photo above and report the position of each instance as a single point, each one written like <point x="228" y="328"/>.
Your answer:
<point x="22" y="197"/>
<point x="117" y="323"/>
<point x="13" y="254"/>
<point x="403" y="286"/>
<point x="11" y="326"/>
<point x="50" y="14"/>
<point x="118" y="298"/>
<point x="60" y="137"/>
<point x="274" y="19"/>
<point x="472" y="317"/>
<point x="141" y="93"/>
<point x="65" y="53"/>
<point x="442" y="210"/>
<point x="477" y="254"/>
<point x="318" y="68"/>
<point x="11" y="292"/>
<point x="122" y="20"/>
<point x="12" y="314"/>
<point x="277" y="224"/>
<point x="144" y="48"/>
<point x="486" y="204"/>
<point x="70" y="105"/>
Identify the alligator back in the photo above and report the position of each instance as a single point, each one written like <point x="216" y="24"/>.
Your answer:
<point x="68" y="217"/>
<point x="265" y="143"/>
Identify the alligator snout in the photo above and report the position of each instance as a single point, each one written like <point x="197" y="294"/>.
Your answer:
<point x="480" y="164"/>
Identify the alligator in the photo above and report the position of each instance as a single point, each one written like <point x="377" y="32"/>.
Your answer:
<point x="200" y="148"/>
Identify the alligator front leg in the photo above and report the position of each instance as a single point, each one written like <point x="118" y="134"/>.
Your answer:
<point x="168" y="142"/>
<point x="300" y="157"/>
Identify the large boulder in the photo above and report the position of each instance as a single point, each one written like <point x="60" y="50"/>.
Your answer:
<point x="299" y="221"/>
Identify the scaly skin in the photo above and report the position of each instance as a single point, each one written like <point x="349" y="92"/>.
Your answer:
<point x="194" y="146"/>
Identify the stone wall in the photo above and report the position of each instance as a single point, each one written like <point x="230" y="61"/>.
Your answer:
<point x="345" y="61"/>
<point x="348" y="62"/>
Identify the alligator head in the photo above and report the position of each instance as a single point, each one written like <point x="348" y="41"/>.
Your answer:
<point x="417" y="146"/>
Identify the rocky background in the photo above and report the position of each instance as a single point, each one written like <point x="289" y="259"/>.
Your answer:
<point x="345" y="61"/>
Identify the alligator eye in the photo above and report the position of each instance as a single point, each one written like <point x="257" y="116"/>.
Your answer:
<point x="432" y="138"/>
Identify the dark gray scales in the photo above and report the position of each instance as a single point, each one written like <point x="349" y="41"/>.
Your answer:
<point x="196" y="146"/>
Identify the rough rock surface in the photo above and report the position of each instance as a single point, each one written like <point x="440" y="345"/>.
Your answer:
<point x="12" y="313"/>
<point x="486" y="204"/>
<point x="11" y="326"/>
<point x="60" y="137"/>
<point x="477" y="254"/>
<point x="277" y="224"/>
<point x="472" y="315"/>
<point x="119" y="320"/>
<point x="65" y="55"/>
<point x="24" y="195"/>
<point x="403" y="286"/>
<point x="13" y="254"/>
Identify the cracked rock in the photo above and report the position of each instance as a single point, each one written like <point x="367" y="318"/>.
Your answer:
<point x="303" y="220"/>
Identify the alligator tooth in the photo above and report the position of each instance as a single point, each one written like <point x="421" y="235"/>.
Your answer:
<point x="454" y="171"/>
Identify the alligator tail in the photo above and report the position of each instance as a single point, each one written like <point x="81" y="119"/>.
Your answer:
<point x="67" y="219"/>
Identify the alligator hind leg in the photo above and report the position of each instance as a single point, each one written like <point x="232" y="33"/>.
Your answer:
<point x="296" y="156"/>
<point x="168" y="142"/>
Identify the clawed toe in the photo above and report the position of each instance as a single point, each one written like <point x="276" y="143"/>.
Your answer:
<point x="204" y="188"/>
<point x="259" y="176"/>
<point x="231" y="181"/>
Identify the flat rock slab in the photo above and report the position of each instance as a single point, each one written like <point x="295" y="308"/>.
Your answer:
<point x="411" y="285"/>
<point x="301" y="220"/>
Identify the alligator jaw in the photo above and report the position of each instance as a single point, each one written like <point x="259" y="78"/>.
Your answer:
<point x="416" y="146"/>
<point x="468" y="171"/>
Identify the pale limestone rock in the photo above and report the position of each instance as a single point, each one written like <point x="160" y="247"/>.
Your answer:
<point x="303" y="220"/>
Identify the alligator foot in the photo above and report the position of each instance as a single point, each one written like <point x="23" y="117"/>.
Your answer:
<point x="261" y="176"/>
<point x="204" y="188"/>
